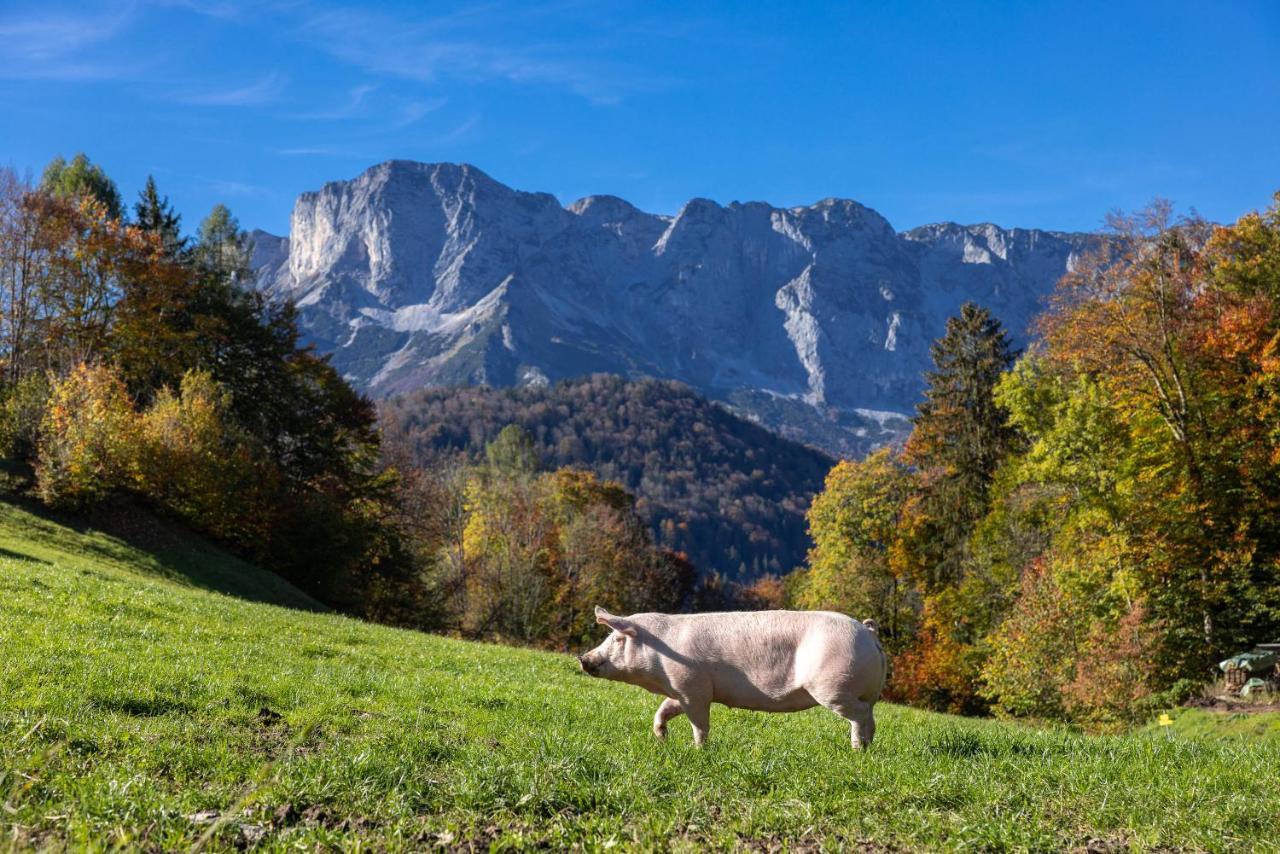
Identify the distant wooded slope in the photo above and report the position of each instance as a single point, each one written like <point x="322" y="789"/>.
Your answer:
<point x="728" y="493"/>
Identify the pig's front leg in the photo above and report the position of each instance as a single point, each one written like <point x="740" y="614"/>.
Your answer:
<point x="668" y="710"/>
<point x="699" y="712"/>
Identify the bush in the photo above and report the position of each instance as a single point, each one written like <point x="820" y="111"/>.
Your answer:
<point x="21" y="411"/>
<point x="1114" y="675"/>
<point x="88" y="438"/>
<point x="199" y="465"/>
<point x="1034" y="651"/>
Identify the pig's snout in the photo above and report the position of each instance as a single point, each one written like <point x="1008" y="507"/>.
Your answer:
<point x="588" y="666"/>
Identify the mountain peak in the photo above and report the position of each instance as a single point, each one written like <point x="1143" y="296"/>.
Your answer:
<point x="427" y="274"/>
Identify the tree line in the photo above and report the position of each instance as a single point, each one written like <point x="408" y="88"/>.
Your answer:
<point x="1082" y="530"/>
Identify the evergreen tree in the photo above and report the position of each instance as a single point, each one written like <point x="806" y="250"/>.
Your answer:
<point x="960" y="426"/>
<point x="80" y="178"/>
<point x="960" y="436"/>
<point x="152" y="213"/>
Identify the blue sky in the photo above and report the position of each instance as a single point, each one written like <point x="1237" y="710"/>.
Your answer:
<point x="1029" y="114"/>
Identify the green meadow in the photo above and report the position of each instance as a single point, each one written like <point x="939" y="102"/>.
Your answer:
<point x="156" y="693"/>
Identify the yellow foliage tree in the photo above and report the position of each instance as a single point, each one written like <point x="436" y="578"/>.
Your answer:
<point x="88" y="438"/>
<point x="196" y="463"/>
<point x="854" y="524"/>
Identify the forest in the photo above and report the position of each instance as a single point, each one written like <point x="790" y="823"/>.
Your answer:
<point x="727" y="493"/>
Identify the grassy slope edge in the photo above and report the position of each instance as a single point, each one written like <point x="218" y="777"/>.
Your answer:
<point x="139" y="708"/>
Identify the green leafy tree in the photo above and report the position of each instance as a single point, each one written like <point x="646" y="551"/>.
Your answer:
<point x="222" y="248"/>
<point x="513" y="452"/>
<point x="854" y="525"/>
<point x="82" y="179"/>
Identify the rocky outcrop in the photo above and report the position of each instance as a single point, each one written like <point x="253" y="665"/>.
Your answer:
<point x="814" y="320"/>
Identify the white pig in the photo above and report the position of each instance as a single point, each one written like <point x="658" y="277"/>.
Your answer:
<point x="769" y="661"/>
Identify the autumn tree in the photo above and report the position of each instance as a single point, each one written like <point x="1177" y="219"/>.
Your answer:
<point x="854" y="523"/>
<point x="88" y="444"/>
<point x="198" y="464"/>
<point x="1175" y="334"/>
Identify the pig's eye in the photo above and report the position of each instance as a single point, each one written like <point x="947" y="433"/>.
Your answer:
<point x="619" y="639"/>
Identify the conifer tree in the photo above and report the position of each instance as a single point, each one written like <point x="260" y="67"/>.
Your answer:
<point x="960" y="436"/>
<point x="152" y="213"/>
<point x="960" y="426"/>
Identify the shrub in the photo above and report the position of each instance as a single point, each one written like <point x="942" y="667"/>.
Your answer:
<point x="1034" y="651"/>
<point x="88" y="438"/>
<point x="199" y="465"/>
<point x="21" y="411"/>
<point x="1114" y="675"/>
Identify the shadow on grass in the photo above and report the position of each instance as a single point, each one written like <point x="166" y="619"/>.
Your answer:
<point x="134" y="537"/>
<point x="143" y="707"/>
<point x="964" y="744"/>
<point x="26" y="558"/>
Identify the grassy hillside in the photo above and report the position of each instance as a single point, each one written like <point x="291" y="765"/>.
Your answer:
<point x="139" y="707"/>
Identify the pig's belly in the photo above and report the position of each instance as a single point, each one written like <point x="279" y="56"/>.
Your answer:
<point x="761" y="698"/>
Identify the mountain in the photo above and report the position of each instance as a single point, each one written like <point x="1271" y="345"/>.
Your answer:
<point x="814" y="320"/>
<point x="727" y="492"/>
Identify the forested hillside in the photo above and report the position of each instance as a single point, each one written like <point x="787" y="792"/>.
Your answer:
<point x="728" y="493"/>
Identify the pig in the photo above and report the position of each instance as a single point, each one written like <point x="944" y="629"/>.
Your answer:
<point x="769" y="661"/>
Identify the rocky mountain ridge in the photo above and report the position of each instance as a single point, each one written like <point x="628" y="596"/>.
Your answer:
<point x="814" y="320"/>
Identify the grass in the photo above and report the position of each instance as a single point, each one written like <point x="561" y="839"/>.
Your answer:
<point x="140" y="708"/>
<point x="1201" y="724"/>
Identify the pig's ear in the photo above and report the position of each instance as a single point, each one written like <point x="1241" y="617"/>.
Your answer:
<point x="618" y="624"/>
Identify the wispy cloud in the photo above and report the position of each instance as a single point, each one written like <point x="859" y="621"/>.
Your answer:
<point x="465" y="45"/>
<point x="459" y="132"/>
<point x="238" y="188"/>
<point x="320" y="151"/>
<point x="353" y="105"/>
<point x="222" y="9"/>
<point x="264" y="90"/>
<point x="40" y="45"/>
<point x="413" y="112"/>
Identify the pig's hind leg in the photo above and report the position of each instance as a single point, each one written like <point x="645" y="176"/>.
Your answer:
<point x="668" y="710"/>
<point x="862" y="723"/>
<point x="862" y="726"/>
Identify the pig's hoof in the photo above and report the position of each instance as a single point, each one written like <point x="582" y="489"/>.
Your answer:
<point x="660" y="733"/>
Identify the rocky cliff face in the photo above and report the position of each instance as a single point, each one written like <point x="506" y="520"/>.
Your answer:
<point x="816" y="320"/>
